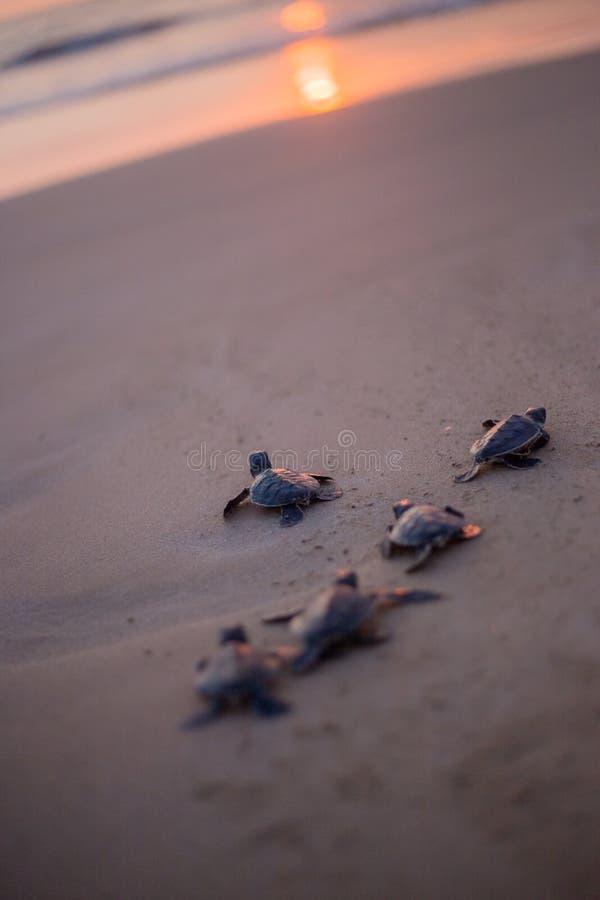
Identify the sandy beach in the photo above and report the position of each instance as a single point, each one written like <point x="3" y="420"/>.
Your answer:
<point x="396" y="271"/>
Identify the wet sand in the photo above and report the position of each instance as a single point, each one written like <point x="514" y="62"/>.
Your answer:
<point x="399" y="270"/>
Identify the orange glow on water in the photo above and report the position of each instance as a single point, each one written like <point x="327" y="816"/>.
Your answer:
<point x="314" y="75"/>
<point x="303" y="15"/>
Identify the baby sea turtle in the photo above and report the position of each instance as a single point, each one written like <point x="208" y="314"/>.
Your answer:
<point x="509" y="441"/>
<point x="237" y="675"/>
<point x="342" y="613"/>
<point x="425" y="528"/>
<point x="282" y="488"/>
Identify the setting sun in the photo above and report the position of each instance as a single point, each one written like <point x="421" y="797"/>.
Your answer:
<point x="303" y="15"/>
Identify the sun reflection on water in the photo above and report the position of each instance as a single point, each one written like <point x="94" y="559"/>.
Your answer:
<point x="314" y="75"/>
<point x="311" y="62"/>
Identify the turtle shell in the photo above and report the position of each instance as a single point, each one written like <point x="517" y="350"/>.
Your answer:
<point x="425" y="524"/>
<point x="234" y="669"/>
<point x="507" y="436"/>
<point x="281" y="487"/>
<point x="336" y="613"/>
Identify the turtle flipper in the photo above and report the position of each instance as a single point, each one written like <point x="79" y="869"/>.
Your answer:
<point x="520" y="462"/>
<point x="236" y="501"/>
<point x="541" y="441"/>
<point x="264" y="704"/>
<point x="400" y="596"/>
<point x="328" y="491"/>
<point x="489" y="423"/>
<point x="387" y="547"/>
<point x="322" y="479"/>
<point x="308" y="657"/>
<point x="468" y="532"/>
<point x="454" y="512"/>
<point x="282" y="617"/>
<point x="466" y="476"/>
<point x="202" y="718"/>
<point x="420" y="558"/>
<point x="290" y="515"/>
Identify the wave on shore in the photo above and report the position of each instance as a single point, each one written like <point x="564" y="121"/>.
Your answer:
<point x="88" y="48"/>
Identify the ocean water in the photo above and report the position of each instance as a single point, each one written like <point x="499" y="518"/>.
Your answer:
<point x="70" y="51"/>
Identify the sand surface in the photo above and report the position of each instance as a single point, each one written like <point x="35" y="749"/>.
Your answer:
<point x="400" y="270"/>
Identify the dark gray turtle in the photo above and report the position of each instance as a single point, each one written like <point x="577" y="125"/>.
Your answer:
<point x="237" y="675"/>
<point x="509" y="441"/>
<point x="341" y="614"/>
<point x="283" y="488"/>
<point x="424" y="528"/>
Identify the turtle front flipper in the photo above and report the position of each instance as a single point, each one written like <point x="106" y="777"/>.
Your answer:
<point x="489" y="423"/>
<point x="308" y="657"/>
<point x="282" y="617"/>
<point x="541" y="441"/>
<point x="387" y="547"/>
<point x="422" y="554"/>
<point x="290" y="515"/>
<point x="264" y="704"/>
<point x="236" y="501"/>
<point x="513" y="461"/>
<point x="204" y="717"/>
<point x="454" y="512"/>
<point x="466" y="476"/>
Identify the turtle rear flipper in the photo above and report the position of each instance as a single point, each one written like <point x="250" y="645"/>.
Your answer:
<point x="328" y="492"/>
<point x="266" y="705"/>
<point x="466" y="476"/>
<point x="513" y="461"/>
<point x="290" y="515"/>
<point x="198" y="720"/>
<point x="236" y="501"/>
<point x="400" y="596"/>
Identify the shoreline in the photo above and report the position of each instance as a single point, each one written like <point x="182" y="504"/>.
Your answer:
<point x="79" y="138"/>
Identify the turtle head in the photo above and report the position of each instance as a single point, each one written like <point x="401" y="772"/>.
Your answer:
<point x="347" y="577"/>
<point x="537" y="413"/>
<point x="234" y="635"/>
<point x="258" y="462"/>
<point x="401" y="507"/>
